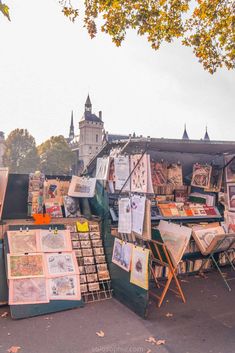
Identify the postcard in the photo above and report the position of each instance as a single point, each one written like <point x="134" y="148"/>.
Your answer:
<point x="122" y="173"/>
<point x="83" y="236"/>
<point x="85" y="244"/>
<point x="139" y="267"/>
<point x="83" y="288"/>
<point x="94" y="227"/>
<point x="23" y="266"/>
<point x="81" y="270"/>
<point x="78" y="253"/>
<point x="51" y="241"/>
<point x="103" y="275"/>
<point x="98" y="251"/>
<point x="83" y="279"/>
<point x="122" y="254"/>
<point x="138" y="211"/>
<point x="74" y="236"/>
<point x="92" y="277"/>
<point x="23" y="241"/>
<point x="53" y="208"/>
<point x="159" y="174"/>
<point x="64" y="288"/>
<point x="94" y="287"/>
<point x="125" y="219"/>
<point x="94" y="235"/>
<point x="102" y="267"/>
<point x="90" y="269"/>
<point x="71" y="227"/>
<point x="71" y="206"/>
<point x="201" y="175"/>
<point x="75" y="244"/>
<point x="230" y="169"/>
<point x="89" y="260"/>
<point x="97" y="243"/>
<point x="28" y="291"/>
<point x="139" y="176"/>
<point x="100" y="259"/>
<point x="87" y="252"/>
<point x="61" y="264"/>
<point x="205" y="235"/>
<point x="82" y="187"/>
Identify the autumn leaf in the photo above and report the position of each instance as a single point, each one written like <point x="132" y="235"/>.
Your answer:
<point x="5" y="314"/>
<point x="100" y="333"/>
<point x="169" y="315"/>
<point x="154" y="341"/>
<point x="14" y="349"/>
<point x="159" y="342"/>
<point x="5" y="10"/>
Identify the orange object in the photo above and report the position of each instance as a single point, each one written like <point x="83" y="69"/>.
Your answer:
<point x="40" y="218"/>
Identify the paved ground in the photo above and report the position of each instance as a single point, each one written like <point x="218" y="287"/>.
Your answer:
<point x="205" y="324"/>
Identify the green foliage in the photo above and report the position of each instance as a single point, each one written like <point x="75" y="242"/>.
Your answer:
<point x="21" y="153"/>
<point x="56" y="157"/>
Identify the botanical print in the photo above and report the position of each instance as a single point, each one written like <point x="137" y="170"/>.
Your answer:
<point x="174" y="174"/>
<point x="82" y="187"/>
<point x="51" y="241"/>
<point x="139" y="177"/>
<point x="61" y="264"/>
<point x="138" y="211"/>
<point x="22" y="242"/>
<point x="87" y="252"/>
<point x="64" y="287"/>
<point x="23" y="266"/>
<point x="90" y="269"/>
<point x="89" y="260"/>
<point x="122" y="254"/>
<point x="230" y="169"/>
<point x="201" y="175"/>
<point x="71" y="206"/>
<point x="159" y="174"/>
<point x="231" y="196"/>
<point x="28" y="291"/>
<point x="139" y="267"/>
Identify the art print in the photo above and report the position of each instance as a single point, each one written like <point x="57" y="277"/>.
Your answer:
<point x="90" y="269"/>
<point x="22" y="242"/>
<point x="61" y="264"/>
<point x="94" y="235"/>
<point x="98" y="251"/>
<point x="87" y="252"/>
<point x="85" y="244"/>
<point x="174" y="174"/>
<point x="78" y="253"/>
<point x="75" y="244"/>
<point x="103" y="275"/>
<point x="138" y="211"/>
<point x="139" y="177"/>
<point x="83" y="236"/>
<point x="102" y="168"/>
<point x="81" y="270"/>
<point x="83" y="288"/>
<point x="89" y="260"/>
<point x="63" y="189"/>
<point x="74" y="236"/>
<point x="93" y="287"/>
<point x="71" y="207"/>
<point x="51" y="190"/>
<point x="111" y="176"/>
<point x="100" y="259"/>
<point x="51" y="241"/>
<point x="23" y="266"/>
<point x="125" y="219"/>
<point x="94" y="227"/>
<point x="122" y="254"/>
<point x="54" y="209"/>
<point x="122" y="173"/>
<point x="92" y="277"/>
<point x="205" y="235"/>
<point x="215" y="179"/>
<point x="230" y="169"/>
<point x="28" y="291"/>
<point x="97" y="243"/>
<point x="231" y="196"/>
<point x="139" y="267"/>
<point x="82" y="187"/>
<point x="159" y="174"/>
<point x="71" y="227"/>
<point x="64" y="288"/>
<point x="201" y="175"/>
<point x="102" y="267"/>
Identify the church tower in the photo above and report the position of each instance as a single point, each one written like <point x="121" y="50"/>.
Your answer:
<point x="71" y="130"/>
<point x="91" y="132"/>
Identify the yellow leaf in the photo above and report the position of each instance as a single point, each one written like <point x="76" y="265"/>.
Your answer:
<point x="100" y="333"/>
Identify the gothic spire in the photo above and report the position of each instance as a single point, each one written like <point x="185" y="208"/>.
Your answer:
<point x="71" y="130"/>
<point x="185" y="134"/>
<point x="88" y="105"/>
<point x="206" y="136"/>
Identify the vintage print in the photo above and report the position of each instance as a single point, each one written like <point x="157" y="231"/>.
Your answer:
<point x="122" y="173"/>
<point x="139" y="178"/>
<point x="61" y="264"/>
<point x="81" y="270"/>
<point x="22" y="242"/>
<point x="28" y="291"/>
<point x="85" y="244"/>
<point x="102" y="267"/>
<point x="159" y="174"/>
<point x="65" y="287"/>
<point x="75" y="244"/>
<point x="231" y="196"/>
<point x="174" y="174"/>
<point x="97" y="243"/>
<point x="100" y="259"/>
<point x="139" y="267"/>
<point x="94" y="235"/>
<point x="230" y="169"/>
<point x="51" y="190"/>
<point x="74" y="236"/>
<point x="82" y="187"/>
<point x="23" y="266"/>
<point x="89" y="260"/>
<point x="93" y="287"/>
<point x="92" y="277"/>
<point x="83" y="288"/>
<point x="71" y="227"/>
<point x="103" y="275"/>
<point x="78" y="253"/>
<point x="122" y="254"/>
<point x="102" y="168"/>
<point x="87" y="252"/>
<point x="94" y="227"/>
<point x="201" y="175"/>
<point x="71" y="206"/>
<point x="90" y="269"/>
<point x="51" y="241"/>
<point x="83" y="236"/>
<point x="98" y="251"/>
<point x="204" y="236"/>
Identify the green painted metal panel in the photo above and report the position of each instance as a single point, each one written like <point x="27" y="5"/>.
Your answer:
<point x="3" y="281"/>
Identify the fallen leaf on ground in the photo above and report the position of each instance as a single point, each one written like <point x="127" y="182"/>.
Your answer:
<point x="169" y="315"/>
<point x="159" y="342"/>
<point x="151" y="340"/>
<point x="5" y="314"/>
<point x="149" y="351"/>
<point x="184" y="280"/>
<point x="13" y="349"/>
<point x="100" y="333"/>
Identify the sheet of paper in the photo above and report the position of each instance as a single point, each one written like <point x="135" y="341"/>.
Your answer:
<point x="138" y="210"/>
<point x="102" y="168"/>
<point x="124" y="220"/>
<point x="122" y="254"/>
<point x="82" y="187"/>
<point x="139" y="267"/>
<point x="122" y="172"/>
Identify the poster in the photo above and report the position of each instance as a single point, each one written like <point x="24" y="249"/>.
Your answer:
<point x="51" y="191"/>
<point x="176" y="239"/>
<point x="201" y="175"/>
<point x="122" y="173"/>
<point x="64" y="288"/>
<point x="124" y="220"/>
<point x="138" y="211"/>
<point x="230" y="169"/>
<point x="53" y="208"/>
<point x="174" y="174"/>
<point x="102" y="168"/>
<point x="23" y="266"/>
<point x="54" y="241"/>
<point x="61" y="264"/>
<point x="139" y="267"/>
<point x="122" y="254"/>
<point x="71" y="206"/>
<point x="28" y="291"/>
<point x="82" y="187"/>
<point x="215" y="179"/>
<point x="139" y="178"/>
<point x="231" y="196"/>
<point x="22" y="242"/>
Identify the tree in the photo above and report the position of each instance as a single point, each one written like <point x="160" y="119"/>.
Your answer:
<point x="56" y="157"/>
<point x="20" y="154"/>
<point x="208" y="26"/>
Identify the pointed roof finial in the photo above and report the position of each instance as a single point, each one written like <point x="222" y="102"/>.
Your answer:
<point x="206" y="136"/>
<point x="71" y="125"/>
<point x="88" y="101"/>
<point x="71" y="130"/>
<point x="185" y="134"/>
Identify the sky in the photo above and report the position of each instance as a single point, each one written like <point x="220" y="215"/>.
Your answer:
<point x="48" y="65"/>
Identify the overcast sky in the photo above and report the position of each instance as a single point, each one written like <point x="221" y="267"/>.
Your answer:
<point x="48" y="65"/>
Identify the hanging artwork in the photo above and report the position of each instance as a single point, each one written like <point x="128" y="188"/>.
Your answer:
<point x="54" y="241"/>
<point x="51" y="190"/>
<point x="22" y="241"/>
<point x="82" y="187"/>
<point x="122" y="254"/>
<point x="230" y="169"/>
<point x="159" y="174"/>
<point x="231" y="196"/>
<point x="61" y="264"/>
<point x="139" y="176"/>
<point x="23" y="266"/>
<point x="174" y="174"/>
<point x="139" y="267"/>
<point x="176" y="239"/>
<point x="122" y="172"/>
<point x="138" y="211"/>
<point x="64" y="288"/>
<point x="124" y="220"/>
<point x="53" y="208"/>
<point x="102" y="168"/>
<point x="215" y="179"/>
<point x="201" y="175"/>
<point x="28" y="291"/>
<point x="204" y="236"/>
<point x="71" y="206"/>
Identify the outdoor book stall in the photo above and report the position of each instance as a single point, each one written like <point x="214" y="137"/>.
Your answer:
<point x="167" y="209"/>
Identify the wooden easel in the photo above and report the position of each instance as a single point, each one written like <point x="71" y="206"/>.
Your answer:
<point x="160" y="255"/>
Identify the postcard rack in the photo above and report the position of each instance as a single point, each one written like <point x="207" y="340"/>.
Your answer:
<point x="159" y="255"/>
<point x="104" y="293"/>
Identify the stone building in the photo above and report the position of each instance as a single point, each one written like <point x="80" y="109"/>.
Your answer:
<point x="2" y="147"/>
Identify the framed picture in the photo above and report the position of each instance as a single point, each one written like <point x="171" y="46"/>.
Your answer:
<point x="201" y="175"/>
<point x="100" y="259"/>
<point x="64" y="288"/>
<point x="71" y="206"/>
<point x="61" y="264"/>
<point x="230" y="169"/>
<point x="28" y="291"/>
<point x="25" y="266"/>
<point x="51" y="241"/>
<point x="231" y="196"/>
<point x="97" y="243"/>
<point x="122" y="254"/>
<point x="83" y="279"/>
<point x="21" y="242"/>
